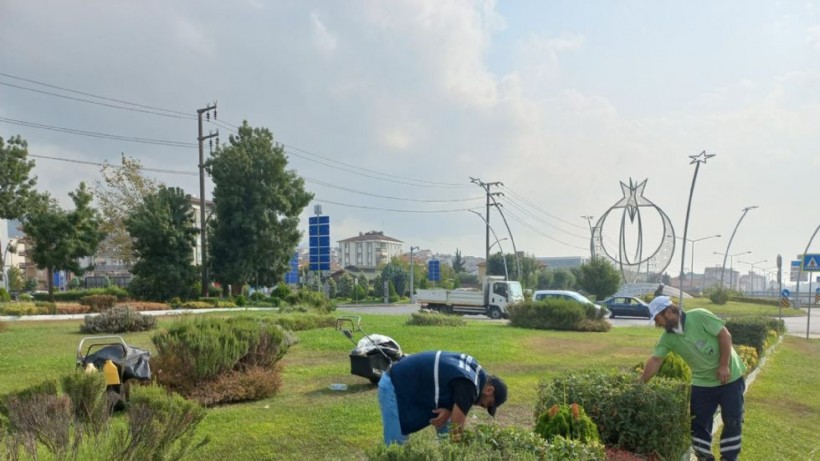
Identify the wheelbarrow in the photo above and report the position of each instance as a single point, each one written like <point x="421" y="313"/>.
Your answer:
<point x="374" y="354"/>
<point x="120" y="363"/>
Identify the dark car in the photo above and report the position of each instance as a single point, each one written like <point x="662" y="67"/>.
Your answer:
<point x="626" y="306"/>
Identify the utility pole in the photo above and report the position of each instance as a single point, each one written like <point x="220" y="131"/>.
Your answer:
<point x="486" y="186"/>
<point x="412" y="289"/>
<point x="202" y="227"/>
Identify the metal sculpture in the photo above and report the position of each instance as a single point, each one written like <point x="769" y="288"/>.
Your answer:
<point x="634" y="267"/>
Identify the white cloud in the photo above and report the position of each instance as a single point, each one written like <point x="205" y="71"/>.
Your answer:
<point x="322" y="38"/>
<point x="194" y="38"/>
<point x="813" y="37"/>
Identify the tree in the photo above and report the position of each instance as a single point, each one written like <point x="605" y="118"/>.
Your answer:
<point x="397" y="273"/>
<point x="458" y="262"/>
<point x="495" y="266"/>
<point x="16" y="186"/>
<point x="16" y="280"/>
<point x="599" y="278"/>
<point x="163" y="232"/>
<point x="59" y="239"/>
<point x="121" y="191"/>
<point x="562" y="279"/>
<point x="255" y="227"/>
<point x="345" y="286"/>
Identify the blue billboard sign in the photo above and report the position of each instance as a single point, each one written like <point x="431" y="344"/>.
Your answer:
<point x="292" y="276"/>
<point x="433" y="270"/>
<point x="319" y="242"/>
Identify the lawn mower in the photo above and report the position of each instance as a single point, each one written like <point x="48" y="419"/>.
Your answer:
<point x="373" y="355"/>
<point x="120" y="363"/>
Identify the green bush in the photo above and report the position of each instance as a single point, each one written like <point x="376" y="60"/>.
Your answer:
<point x="76" y="295"/>
<point x="435" y="319"/>
<point x="20" y="309"/>
<point x="119" y="319"/>
<point x="647" y="419"/>
<point x="4" y="295"/>
<point x="672" y="367"/>
<point x="301" y="322"/>
<point x="162" y="426"/>
<point x="240" y="300"/>
<point x="774" y="302"/>
<point x="89" y="401"/>
<point x="556" y="314"/>
<point x="484" y="442"/>
<point x="568" y="421"/>
<point x="719" y="296"/>
<point x="750" y="331"/>
<point x="208" y="359"/>
<point x="314" y="300"/>
<point x="98" y="303"/>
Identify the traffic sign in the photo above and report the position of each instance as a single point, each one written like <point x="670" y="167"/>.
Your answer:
<point x="795" y="272"/>
<point x="785" y="293"/>
<point x="433" y="270"/>
<point x="811" y="262"/>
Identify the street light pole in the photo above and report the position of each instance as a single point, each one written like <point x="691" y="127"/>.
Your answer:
<point x="729" y="245"/>
<point x="731" y="266"/>
<point x="692" y="263"/>
<point x="497" y="241"/>
<point x="412" y="287"/>
<point x="697" y="160"/>
<point x="752" y="272"/>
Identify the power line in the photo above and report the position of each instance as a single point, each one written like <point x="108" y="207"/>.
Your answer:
<point x="84" y="162"/>
<point x="322" y="183"/>
<point x="456" y="210"/>
<point x="535" y="207"/>
<point x="94" y="134"/>
<point x="97" y="96"/>
<point x="540" y="232"/>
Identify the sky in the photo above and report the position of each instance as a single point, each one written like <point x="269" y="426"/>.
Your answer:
<point x="389" y="108"/>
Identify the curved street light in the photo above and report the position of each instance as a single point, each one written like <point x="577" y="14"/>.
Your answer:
<point x="729" y="245"/>
<point x="752" y="271"/>
<point x="731" y="265"/>
<point x="692" y="264"/>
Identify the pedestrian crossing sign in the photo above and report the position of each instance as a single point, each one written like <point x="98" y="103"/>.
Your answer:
<point x="811" y="263"/>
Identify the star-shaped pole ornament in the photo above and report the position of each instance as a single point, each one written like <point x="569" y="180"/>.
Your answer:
<point x="701" y="157"/>
<point x="696" y="160"/>
<point x="633" y="196"/>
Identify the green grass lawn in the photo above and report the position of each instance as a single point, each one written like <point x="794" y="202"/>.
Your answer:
<point x="309" y="421"/>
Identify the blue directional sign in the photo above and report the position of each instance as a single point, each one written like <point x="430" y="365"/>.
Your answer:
<point x="319" y="242"/>
<point x="811" y="262"/>
<point x="433" y="270"/>
<point x="292" y="276"/>
<point x="785" y="293"/>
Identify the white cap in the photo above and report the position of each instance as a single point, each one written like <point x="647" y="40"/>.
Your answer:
<point x="657" y="305"/>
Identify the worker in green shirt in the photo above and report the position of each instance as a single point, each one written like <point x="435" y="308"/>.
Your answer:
<point x="702" y="340"/>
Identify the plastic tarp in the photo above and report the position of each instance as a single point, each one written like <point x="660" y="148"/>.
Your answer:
<point x="135" y="363"/>
<point x="371" y="343"/>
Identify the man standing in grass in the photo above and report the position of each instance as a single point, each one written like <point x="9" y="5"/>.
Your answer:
<point x="703" y="341"/>
<point x="435" y="388"/>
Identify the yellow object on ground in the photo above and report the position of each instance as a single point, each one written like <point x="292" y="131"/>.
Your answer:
<point x="112" y="375"/>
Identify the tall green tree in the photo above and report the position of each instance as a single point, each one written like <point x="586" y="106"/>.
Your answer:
<point x="163" y="233"/>
<point x="458" y="262"/>
<point x="599" y="277"/>
<point x="255" y="227"/>
<point x="123" y="188"/>
<point x="397" y="272"/>
<point x="59" y="239"/>
<point x="563" y="279"/>
<point x="16" y="184"/>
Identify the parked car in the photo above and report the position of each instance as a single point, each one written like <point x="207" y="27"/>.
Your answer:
<point x="626" y="306"/>
<point x="541" y="295"/>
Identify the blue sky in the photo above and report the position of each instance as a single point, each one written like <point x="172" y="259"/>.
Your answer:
<point x="388" y="108"/>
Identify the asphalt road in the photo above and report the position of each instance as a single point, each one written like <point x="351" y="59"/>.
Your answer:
<point x="795" y="326"/>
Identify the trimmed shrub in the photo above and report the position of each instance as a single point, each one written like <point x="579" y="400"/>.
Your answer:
<point x="556" y="314"/>
<point x="673" y="367"/>
<point x="211" y="359"/>
<point x="240" y="300"/>
<point x="98" y="303"/>
<point x="20" y="309"/>
<point x="72" y="308"/>
<point x="312" y="299"/>
<point x="75" y="295"/>
<point x="749" y="331"/>
<point x="719" y="296"/>
<point x="647" y="419"/>
<point x="146" y="306"/>
<point x="4" y="295"/>
<point x="426" y="318"/>
<point x="749" y="356"/>
<point x="568" y="421"/>
<point x="489" y="443"/>
<point x="118" y="319"/>
<point x="196" y="305"/>
<point x="301" y="322"/>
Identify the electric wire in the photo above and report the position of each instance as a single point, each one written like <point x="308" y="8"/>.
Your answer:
<point x="535" y="207"/>
<point x="326" y="184"/>
<point x="94" y="134"/>
<point x="84" y="162"/>
<point x="455" y="210"/>
<point x="540" y="232"/>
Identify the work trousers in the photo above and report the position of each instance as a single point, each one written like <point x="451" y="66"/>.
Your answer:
<point x="704" y="403"/>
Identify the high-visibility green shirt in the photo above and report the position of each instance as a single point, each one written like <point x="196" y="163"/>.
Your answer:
<point x="698" y="346"/>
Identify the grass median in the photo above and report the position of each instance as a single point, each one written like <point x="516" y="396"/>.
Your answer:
<point x="307" y="420"/>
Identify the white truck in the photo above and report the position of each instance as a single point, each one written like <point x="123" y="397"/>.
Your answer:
<point x="491" y="301"/>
